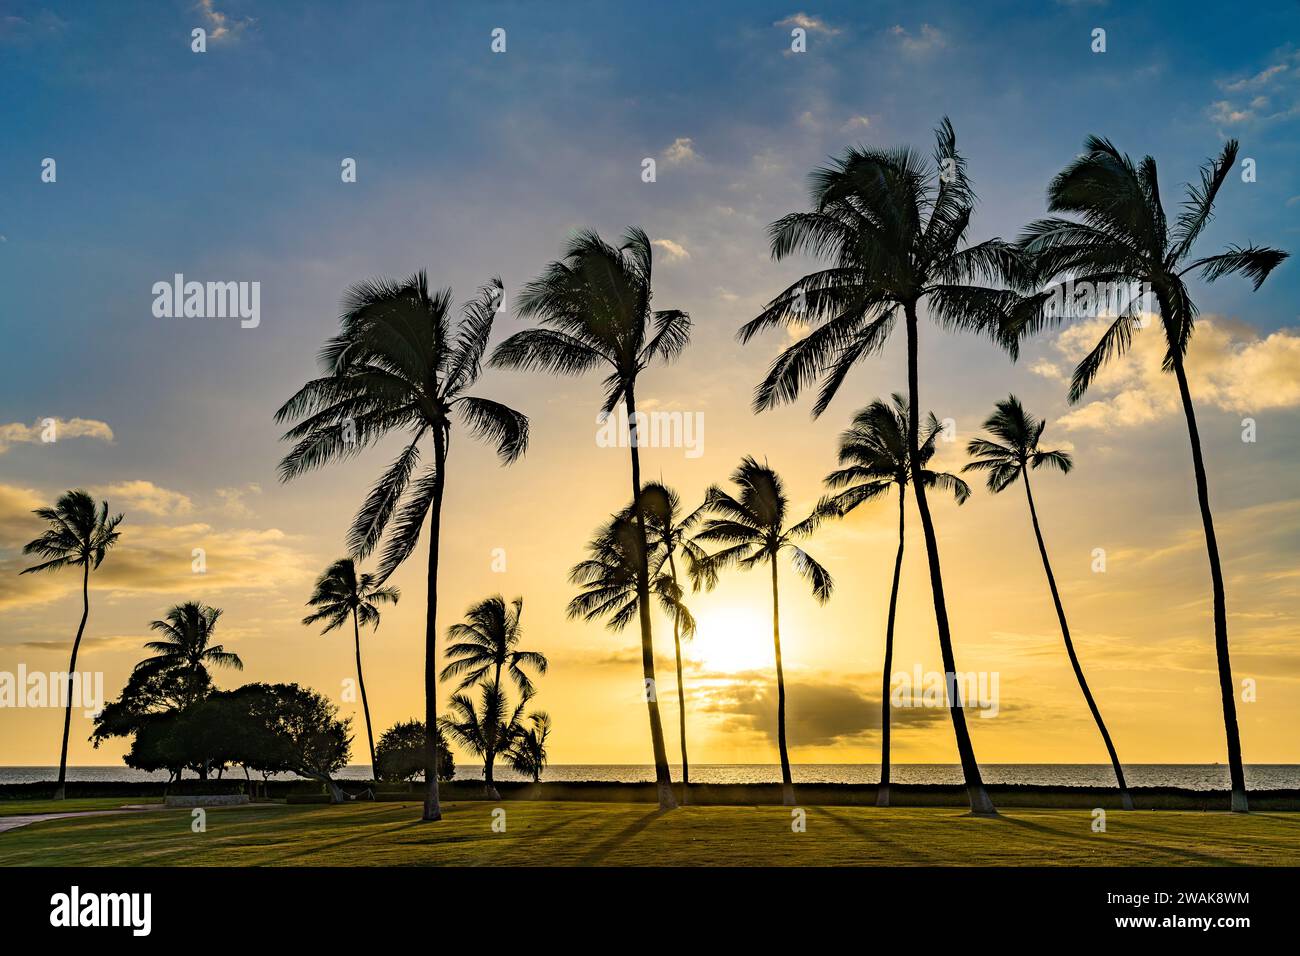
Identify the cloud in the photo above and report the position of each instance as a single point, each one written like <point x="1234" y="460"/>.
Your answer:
<point x="680" y="152"/>
<point x="1252" y="95"/>
<point x="17" y="433"/>
<point x="140" y="495"/>
<point x="1230" y="366"/>
<point x="675" y="250"/>
<point x="220" y="26"/>
<point x="809" y="23"/>
<point x="232" y="499"/>
<point x="929" y="38"/>
<point x="855" y="123"/>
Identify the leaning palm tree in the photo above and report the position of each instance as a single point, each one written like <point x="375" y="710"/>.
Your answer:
<point x="669" y="533"/>
<point x="186" y="647"/>
<point x="1005" y="461"/>
<point x="873" y="453"/>
<point x="528" y="753"/>
<point x="486" y="644"/>
<point x="342" y="593"/>
<point x="754" y="531"/>
<point x="484" y="732"/>
<point x="397" y="366"/>
<point x="78" y="536"/>
<point x="894" y="229"/>
<point x="594" y="307"/>
<point x="1122" y="235"/>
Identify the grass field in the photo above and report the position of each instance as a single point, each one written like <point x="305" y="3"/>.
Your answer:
<point x="390" y="834"/>
<point x="18" y="808"/>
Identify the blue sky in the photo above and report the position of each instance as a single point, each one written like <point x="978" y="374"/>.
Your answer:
<point x="225" y="166"/>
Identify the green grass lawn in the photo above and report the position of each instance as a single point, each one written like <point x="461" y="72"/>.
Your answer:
<point x="18" y="808"/>
<point x="390" y="834"/>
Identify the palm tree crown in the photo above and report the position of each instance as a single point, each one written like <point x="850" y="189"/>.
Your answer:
<point x="1019" y="432"/>
<point x="186" y="644"/>
<point x="487" y="641"/>
<point x="528" y="752"/>
<point x="79" y="535"/>
<point x="340" y="591"/>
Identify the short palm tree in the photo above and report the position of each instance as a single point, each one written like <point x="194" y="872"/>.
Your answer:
<point x="342" y="593"/>
<point x="486" y="644"/>
<point x="485" y="731"/>
<point x="873" y="456"/>
<point x="669" y="533"/>
<point x="595" y="311"/>
<point x="754" y="531"/>
<point x="1122" y="235"/>
<point x="397" y="366"/>
<point x="1006" y="460"/>
<point x="186" y="646"/>
<point x="79" y="535"/>
<point x="528" y="753"/>
<point x="893" y="228"/>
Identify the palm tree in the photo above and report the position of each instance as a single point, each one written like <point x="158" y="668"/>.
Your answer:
<point x="78" y="536"/>
<point x="895" y="231"/>
<point x="487" y="732"/>
<point x="186" y="646"/>
<point x="873" y="452"/>
<point x="753" y="528"/>
<point x="1005" y="462"/>
<point x="395" y="366"/>
<point x="1122" y="235"/>
<point x="594" y="307"/>
<point x="341" y="593"/>
<point x="484" y="646"/>
<point x="528" y="753"/>
<point x="668" y="535"/>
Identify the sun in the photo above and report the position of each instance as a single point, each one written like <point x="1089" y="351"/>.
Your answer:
<point x="731" y="639"/>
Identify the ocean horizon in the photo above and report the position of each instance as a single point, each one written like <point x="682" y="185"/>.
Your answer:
<point x="1188" y="776"/>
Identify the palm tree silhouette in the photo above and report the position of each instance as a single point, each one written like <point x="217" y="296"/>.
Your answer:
<point x="341" y="593"/>
<point x="396" y="367"/>
<point x="668" y="534"/>
<point x="528" y="753"/>
<point x="485" y="732"/>
<point x="595" y="309"/>
<point x="484" y="646"/>
<point x="753" y="529"/>
<point x="894" y="228"/>
<point x="186" y="647"/>
<point x="78" y="536"/>
<point x="873" y="451"/>
<point x="1123" y="236"/>
<point x="1018" y="452"/>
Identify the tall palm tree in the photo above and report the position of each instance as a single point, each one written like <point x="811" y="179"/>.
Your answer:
<point x="186" y="645"/>
<point x="1122" y="235"/>
<point x="595" y="311"/>
<point x="894" y="229"/>
<point x="754" y="531"/>
<point x="873" y="453"/>
<point x="78" y="536"/>
<point x="669" y="533"/>
<point x="342" y="593"/>
<point x="528" y="753"/>
<point x="396" y="366"/>
<point x="485" y="732"/>
<point x="1006" y="461"/>
<point x="485" y="645"/>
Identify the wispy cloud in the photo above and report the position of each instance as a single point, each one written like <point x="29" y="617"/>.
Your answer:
<point x="220" y="25"/>
<point x="928" y="38"/>
<point x="675" y="250"/>
<point x="52" y="430"/>
<point x="680" y="151"/>
<point x="808" y="22"/>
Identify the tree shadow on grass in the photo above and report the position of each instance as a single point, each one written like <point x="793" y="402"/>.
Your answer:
<point x="1155" y="854"/>
<point x="604" y="848"/>
<point x="875" y="835"/>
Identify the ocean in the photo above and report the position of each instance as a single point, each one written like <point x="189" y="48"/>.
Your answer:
<point x="1188" y="776"/>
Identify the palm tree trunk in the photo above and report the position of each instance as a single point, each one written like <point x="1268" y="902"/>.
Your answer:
<point x="1227" y="689"/>
<point x="365" y="704"/>
<point x="489" y="784"/>
<point x="882" y="791"/>
<point x="979" y="798"/>
<point x="432" y="809"/>
<point x="787" y="783"/>
<point x="663" y="781"/>
<point x="59" y="790"/>
<point x="1126" y="799"/>
<point x="681" y="692"/>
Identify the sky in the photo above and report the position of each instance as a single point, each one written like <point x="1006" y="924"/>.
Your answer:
<point x="226" y="166"/>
